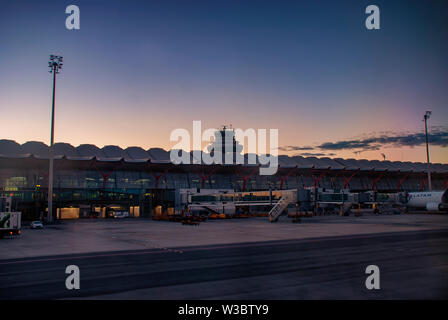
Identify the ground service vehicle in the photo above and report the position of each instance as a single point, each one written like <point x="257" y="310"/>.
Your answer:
<point x="10" y="222"/>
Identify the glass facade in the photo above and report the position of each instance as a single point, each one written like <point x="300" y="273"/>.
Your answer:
<point x="146" y="189"/>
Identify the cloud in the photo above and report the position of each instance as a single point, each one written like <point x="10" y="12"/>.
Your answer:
<point x="315" y="154"/>
<point x="350" y="144"/>
<point x="437" y="137"/>
<point x="311" y="154"/>
<point x="295" y="148"/>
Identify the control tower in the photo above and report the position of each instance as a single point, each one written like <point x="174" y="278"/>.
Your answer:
<point x="225" y="143"/>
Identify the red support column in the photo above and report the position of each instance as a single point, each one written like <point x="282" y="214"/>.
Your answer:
<point x="245" y="178"/>
<point x="347" y="180"/>
<point x="374" y="182"/>
<point x="402" y="180"/>
<point x="45" y="174"/>
<point x="105" y="178"/>
<point x="158" y="176"/>
<point x="105" y="175"/>
<point x="283" y="178"/>
<point x="204" y="177"/>
<point x="423" y="184"/>
<point x="317" y="179"/>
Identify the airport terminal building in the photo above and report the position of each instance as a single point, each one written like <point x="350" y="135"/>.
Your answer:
<point x="87" y="177"/>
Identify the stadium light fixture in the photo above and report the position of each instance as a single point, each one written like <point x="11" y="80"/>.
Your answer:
<point x="55" y="65"/>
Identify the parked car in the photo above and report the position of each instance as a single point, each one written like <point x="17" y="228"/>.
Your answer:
<point x="121" y="214"/>
<point x="36" y="225"/>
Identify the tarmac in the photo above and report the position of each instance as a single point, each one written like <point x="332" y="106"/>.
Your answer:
<point x="84" y="236"/>
<point x="324" y="257"/>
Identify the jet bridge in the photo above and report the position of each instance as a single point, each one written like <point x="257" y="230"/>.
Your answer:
<point x="230" y="203"/>
<point x="318" y="201"/>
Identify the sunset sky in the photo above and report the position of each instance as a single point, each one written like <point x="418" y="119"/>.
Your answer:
<point x="136" y="70"/>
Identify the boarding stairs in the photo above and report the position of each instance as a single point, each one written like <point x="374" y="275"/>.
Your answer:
<point x="211" y="210"/>
<point x="280" y="206"/>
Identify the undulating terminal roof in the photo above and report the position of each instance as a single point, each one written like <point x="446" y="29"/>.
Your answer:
<point x="39" y="150"/>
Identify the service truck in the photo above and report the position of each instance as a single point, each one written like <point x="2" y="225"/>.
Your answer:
<point x="10" y="221"/>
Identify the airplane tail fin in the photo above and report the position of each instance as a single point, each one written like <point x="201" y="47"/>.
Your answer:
<point x="445" y="196"/>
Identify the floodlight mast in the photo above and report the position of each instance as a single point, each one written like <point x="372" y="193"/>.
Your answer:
<point x="55" y="65"/>
<point x="425" y="118"/>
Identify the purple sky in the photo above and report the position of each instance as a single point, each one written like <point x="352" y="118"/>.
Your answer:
<point x="136" y="70"/>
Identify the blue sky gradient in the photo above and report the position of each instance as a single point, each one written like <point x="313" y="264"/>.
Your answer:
<point x="138" y="69"/>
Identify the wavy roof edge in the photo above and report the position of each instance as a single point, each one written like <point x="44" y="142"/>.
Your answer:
<point x="38" y="150"/>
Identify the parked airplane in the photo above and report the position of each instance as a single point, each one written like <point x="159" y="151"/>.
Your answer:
<point x="430" y="200"/>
